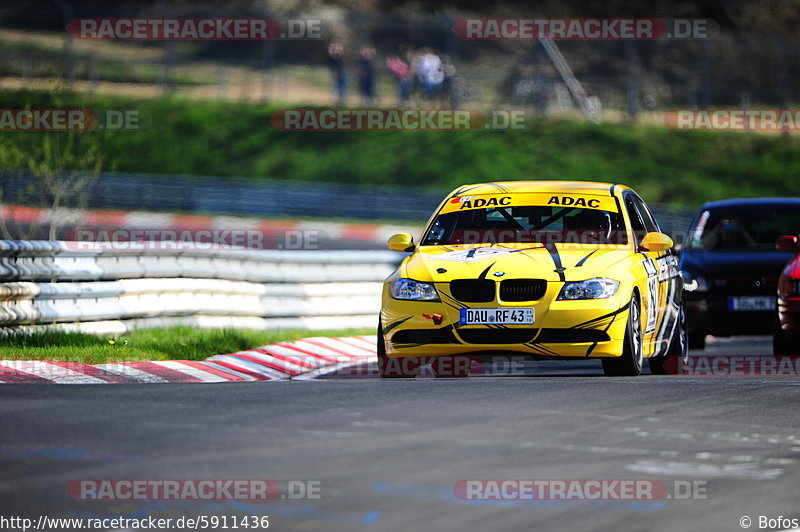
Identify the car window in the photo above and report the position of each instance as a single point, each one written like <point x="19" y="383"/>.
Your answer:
<point x="527" y="224"/>
<point x="637" y="223"/>
<point x="744" y="227"/>
<point x="647" y="217"/>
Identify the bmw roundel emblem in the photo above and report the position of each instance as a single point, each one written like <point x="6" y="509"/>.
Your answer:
<point x="499" y="274"/>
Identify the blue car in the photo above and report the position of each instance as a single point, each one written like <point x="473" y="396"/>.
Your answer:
<point x="730" y="266"/>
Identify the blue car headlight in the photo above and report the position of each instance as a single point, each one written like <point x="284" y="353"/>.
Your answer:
<point x="598" y="288"/>
<point x="410" y="289"/>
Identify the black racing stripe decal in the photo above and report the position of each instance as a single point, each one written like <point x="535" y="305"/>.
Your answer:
<point x="531" y="257"/>
<point x="598" y="319"/>
<point x="542" y="350"/>
<point x="551" y="248"/>
<point x="420" y="344"/>
<point x="394" y="324"/>
<point x="463" y="190"/>
<point x="537" y="346"/>
<point x="591" y="348"/>
<point x="611" y="191"/>
<point x="580" y="262"/>
<point x="605" y="330"/>
<point x="513" y="250"/>
<point x="499" y="187"/>
<point x="451" y="301"/>
<point x="485" y="272"/>
<point x="671" y="303"/>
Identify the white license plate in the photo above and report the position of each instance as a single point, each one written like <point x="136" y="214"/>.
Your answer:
<point x="751" y="303"/>
<point x="496" y="316"/>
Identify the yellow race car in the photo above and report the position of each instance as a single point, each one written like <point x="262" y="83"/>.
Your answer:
<point x="539" y="269"/>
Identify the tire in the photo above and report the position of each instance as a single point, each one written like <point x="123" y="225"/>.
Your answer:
<point x="451" y="367"/>
<point x="630" y="363"/>
<point x="678" y="345"/>
<point x="781" y="345"/>
<point x="394" y="367"/>
<point x="657" y="365"/>
<point x="697" y="340"/>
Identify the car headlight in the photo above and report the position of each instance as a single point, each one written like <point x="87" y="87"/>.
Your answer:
<point x="414" y="290"/>
<point x="694" y="283"/>
<point x="598" y="288"/>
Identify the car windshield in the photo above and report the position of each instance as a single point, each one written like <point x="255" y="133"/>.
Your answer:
<point x="744" y="227"/>
<point x="527" y="224"/>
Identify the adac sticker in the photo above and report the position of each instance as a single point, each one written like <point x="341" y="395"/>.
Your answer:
<point x="544" y="199"/>
<point x="474" y="254"/>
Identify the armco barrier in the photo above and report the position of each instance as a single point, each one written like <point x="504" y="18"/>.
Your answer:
<point x="268" y="198"/>
<point x="86" y="287"/>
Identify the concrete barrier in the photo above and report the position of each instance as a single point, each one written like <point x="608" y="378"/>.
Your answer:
<point x="90" y="288"/>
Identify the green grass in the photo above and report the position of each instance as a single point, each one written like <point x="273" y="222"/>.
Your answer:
<point x="237" y="140"/>
<point x="175" y="343"/>
<point x="47" y="62"/>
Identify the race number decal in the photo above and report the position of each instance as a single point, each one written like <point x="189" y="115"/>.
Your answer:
<point x="652" y="296"/>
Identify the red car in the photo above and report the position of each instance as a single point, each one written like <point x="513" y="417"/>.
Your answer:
<point x="786" y="336"/>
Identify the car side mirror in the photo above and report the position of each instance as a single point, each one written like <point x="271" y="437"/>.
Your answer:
<point x="656" y="242"/>
<point x="401" y="242"/>
<point x="786" y="243"/>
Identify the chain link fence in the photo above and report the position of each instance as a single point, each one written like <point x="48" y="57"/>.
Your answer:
<point x="625" y="80"/>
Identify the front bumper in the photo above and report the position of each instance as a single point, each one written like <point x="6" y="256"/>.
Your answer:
<point x="709" y="313"/>
<point x="561" y="329"/>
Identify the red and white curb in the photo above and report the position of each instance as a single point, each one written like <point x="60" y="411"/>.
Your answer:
<point x="108" y="219"/>
<point x="306" y="359"/>
<point x="303" y="359"/>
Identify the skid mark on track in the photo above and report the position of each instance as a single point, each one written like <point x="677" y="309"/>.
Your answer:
<point x="741" y="471"/>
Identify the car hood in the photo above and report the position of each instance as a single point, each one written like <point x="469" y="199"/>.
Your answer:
<point x="559" y="262"/>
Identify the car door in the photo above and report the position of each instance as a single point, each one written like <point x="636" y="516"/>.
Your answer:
<point x="658" y="310"/>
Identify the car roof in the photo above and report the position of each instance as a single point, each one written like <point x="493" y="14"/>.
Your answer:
<point x="743" y="202"/>
<point x="575" y="187"/>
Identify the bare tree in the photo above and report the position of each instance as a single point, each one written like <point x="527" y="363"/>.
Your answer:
<point x="60" y="166"/>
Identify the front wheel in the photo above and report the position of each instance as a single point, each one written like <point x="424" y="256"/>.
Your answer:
<point x="697" y="340"/>
<point x="630" y="363"/>
<point x="781" y="346"/>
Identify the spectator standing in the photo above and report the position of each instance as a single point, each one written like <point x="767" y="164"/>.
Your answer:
<point x="366" y="75"/>
<point x="450" y="84"/>
<point x="428" y="69"/>
<point x="336" y="64"/>
<point x="404" y="76"/>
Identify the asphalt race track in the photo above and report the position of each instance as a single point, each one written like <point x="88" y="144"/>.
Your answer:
<point x="387" y="454"/>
